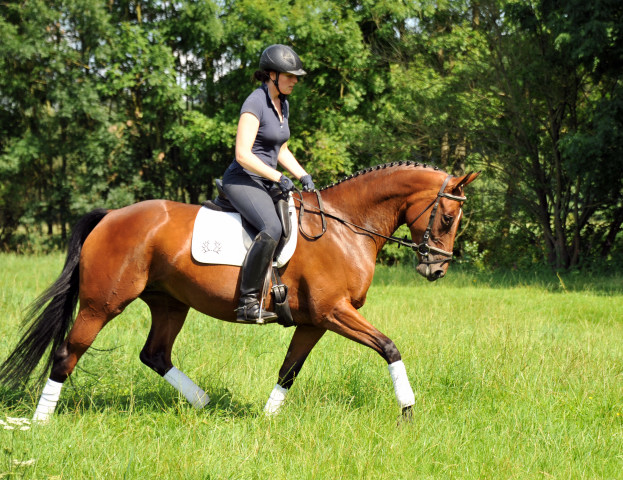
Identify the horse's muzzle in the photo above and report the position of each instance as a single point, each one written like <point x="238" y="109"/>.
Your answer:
<point x="431" y="271"/>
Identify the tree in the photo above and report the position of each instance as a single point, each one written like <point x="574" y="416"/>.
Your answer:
<point x="559" y="113"/>
<point x="54" y="119"/>
<point x="108" y="103"/>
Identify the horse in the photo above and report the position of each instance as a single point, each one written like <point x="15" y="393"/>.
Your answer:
<point x="143" y="251"/>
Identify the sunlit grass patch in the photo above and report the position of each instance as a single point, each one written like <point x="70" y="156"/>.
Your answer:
<point x="513" y="379"/>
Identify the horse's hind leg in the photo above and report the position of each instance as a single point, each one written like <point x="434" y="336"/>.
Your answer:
<point x="105" y="291"/>
<point x="167" y="318"/>
<point x="89" y="322"/>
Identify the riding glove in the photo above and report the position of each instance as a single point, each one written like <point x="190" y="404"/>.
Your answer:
<point x="308" y="183"/>
<point x="285" y="184"/>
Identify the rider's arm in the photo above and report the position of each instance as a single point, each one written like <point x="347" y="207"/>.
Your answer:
<point x="291" y="164"/>
<point x="248" y="125"/>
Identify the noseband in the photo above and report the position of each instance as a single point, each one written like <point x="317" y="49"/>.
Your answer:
<point x="423" y="248"/>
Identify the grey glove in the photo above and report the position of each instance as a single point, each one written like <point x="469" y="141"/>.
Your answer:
<point x="308" y="183"/>
<point x="285" y="184"/>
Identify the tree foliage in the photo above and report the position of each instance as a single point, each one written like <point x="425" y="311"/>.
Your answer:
<point x="108" y="103"/>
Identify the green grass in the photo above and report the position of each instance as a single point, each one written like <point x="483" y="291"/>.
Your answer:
<point x="516" y="376"/>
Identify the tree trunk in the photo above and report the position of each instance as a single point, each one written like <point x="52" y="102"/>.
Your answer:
<point x="615" y="228"/>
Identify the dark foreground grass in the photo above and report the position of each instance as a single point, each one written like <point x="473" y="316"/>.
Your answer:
<point x="516" y="376"/>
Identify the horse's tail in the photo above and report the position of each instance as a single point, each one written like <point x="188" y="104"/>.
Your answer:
<point x="45" y="322"/>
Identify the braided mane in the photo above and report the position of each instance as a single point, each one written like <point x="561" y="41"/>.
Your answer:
<point x="379" y="167"/>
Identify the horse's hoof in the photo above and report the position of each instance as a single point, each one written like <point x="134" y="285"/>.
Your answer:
<point x="406" y="416"/>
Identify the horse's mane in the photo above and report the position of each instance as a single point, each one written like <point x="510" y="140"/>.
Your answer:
<point x="380" y="167"/>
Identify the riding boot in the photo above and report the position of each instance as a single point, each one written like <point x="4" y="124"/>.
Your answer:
<point x="254" y="269"/>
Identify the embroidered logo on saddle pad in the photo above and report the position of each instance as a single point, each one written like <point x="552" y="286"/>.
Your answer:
<point x="219" y="238"/>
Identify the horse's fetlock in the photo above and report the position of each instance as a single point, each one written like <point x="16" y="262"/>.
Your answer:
<point x="390" y="351"/>
<point x="157" y="361"/>
<point x="60" y="364"/>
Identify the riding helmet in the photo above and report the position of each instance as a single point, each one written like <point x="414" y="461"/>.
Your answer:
<point x="281" y="58"/>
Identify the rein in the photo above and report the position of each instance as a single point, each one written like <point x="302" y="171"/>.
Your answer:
<point x="423" y="248"/>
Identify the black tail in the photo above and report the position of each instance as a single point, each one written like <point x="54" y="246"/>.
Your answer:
<point x="50" y="324"/>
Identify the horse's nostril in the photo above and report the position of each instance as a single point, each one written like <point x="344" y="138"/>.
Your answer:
<point x="436" y="274"/>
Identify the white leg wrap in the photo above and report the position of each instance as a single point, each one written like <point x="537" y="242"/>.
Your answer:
<point x="277" y="396"/>
<point x="197" y="397"/>
<point x="47" y="402"/>
<point x="404" y="393"/>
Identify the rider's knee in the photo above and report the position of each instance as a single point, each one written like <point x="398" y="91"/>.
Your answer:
<point x="273" y="230"/>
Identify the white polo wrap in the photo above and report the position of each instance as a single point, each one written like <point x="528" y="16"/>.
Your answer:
<point x="277" y="396"/>
<point x="196" y="396"/>
<point x="404" y="392"/>
<point x="47" y="403"/>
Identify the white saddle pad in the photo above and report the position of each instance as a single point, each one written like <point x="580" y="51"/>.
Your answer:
<point x="219" y="238"/>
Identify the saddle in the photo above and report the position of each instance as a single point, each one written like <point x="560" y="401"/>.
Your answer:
<point x="222" y="204"/>
<point x="283" y="252"/>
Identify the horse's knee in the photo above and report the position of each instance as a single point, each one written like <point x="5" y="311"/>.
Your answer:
<point x="157" y="361"/>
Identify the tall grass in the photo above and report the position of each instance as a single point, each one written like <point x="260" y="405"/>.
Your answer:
<point x="516" y="376"/>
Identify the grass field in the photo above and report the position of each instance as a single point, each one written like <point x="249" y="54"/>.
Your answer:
<point x="516" y="376"/>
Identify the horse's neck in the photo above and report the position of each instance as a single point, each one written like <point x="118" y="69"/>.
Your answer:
<point x="374" y="200"/>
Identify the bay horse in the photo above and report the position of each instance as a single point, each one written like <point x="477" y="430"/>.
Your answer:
<point x="143" y="251"/>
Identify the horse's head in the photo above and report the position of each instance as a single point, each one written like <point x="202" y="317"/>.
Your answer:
<point x="434" y="232"/>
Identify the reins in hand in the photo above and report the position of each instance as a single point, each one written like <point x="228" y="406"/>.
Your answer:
<point x="319" y="208"/>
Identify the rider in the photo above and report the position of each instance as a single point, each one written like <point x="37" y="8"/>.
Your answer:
<point x="261" y="144"/>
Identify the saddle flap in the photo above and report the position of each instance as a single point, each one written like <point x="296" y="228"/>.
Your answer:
<point x="283" y="208"/>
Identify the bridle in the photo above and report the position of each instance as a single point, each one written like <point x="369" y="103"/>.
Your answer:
<point x="423" y="248"/>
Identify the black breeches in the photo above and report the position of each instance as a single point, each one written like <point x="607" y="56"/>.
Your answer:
<point x="252" y="199"/>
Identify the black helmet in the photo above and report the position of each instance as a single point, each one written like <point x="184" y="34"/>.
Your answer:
<point x="282" y="59"/>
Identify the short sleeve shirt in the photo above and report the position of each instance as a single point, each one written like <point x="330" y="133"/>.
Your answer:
<point x="272" y="132"/>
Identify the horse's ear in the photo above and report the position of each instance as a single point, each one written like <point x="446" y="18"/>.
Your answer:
<point x="466" y="180"/>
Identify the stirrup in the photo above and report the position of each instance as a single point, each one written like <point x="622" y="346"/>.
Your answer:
<point x="253" y="313"/>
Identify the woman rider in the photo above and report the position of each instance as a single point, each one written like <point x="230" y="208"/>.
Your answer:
<point x="261" y="144"/>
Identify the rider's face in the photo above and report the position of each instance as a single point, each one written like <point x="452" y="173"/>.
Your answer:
<point x="287" y="82"/>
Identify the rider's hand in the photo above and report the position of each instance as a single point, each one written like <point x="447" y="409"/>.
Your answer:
<point x="285" y="184"/>
<point x="308" y="183"/>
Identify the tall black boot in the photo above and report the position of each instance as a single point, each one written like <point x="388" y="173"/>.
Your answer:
<point x="254" y="269"/>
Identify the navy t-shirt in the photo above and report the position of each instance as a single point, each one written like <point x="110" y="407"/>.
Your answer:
<point x="272" y="132"/>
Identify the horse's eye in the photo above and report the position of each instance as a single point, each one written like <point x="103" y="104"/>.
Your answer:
<point x="446" y="220"/>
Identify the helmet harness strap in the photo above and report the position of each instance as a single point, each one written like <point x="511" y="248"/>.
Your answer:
<point x="276" y="82"/>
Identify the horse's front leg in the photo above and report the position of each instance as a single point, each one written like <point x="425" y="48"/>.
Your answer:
<point x="345" y="320"/>
<point x="304" y="339"/>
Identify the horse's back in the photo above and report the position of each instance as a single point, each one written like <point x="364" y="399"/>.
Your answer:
<point x="129" y="237"/>
<point x="134" y="225"/>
